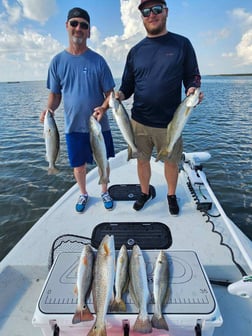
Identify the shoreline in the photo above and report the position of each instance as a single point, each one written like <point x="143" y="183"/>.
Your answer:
<point x="238" y="75"/>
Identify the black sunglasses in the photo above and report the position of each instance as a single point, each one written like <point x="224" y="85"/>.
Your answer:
<point x="158" y="9"/>
<point x="75" y="23"/>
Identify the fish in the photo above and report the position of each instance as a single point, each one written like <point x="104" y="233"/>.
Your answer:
<point x="52" y="142"/>
<point x="83" y="286"/>
<point x="139" y="290"/>
<point x="123" y="122"/>
<point x="103" y="282"/>
<point x="99" y="149"/>
<point x="121" y="280"/>
<point x="160" y="290"/>
<point x="178" y="122"/>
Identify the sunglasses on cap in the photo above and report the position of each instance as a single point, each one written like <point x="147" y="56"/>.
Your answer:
<point x="75" y="23"/>
<point x="158" y="9"/>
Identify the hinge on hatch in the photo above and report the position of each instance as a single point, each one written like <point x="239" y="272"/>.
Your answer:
<point x="55" y="327"/>
<point x="198" y="328"/>
<point x="126" y="327"/>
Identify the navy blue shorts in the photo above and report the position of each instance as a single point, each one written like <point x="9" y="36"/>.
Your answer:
<point x="79" y="148"/>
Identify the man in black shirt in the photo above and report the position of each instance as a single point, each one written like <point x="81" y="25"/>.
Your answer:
<point x="154" y="72"/>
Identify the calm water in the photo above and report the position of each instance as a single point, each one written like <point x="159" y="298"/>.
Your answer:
<point x="220" y="125"/>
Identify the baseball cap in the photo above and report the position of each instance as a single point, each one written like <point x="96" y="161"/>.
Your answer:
<point x="143" y="2"/>
<point x="77" y="12"/>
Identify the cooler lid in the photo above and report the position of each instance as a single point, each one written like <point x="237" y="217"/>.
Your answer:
<point x="191" y="293"/>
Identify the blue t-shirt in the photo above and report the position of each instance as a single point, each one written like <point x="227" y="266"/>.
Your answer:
<point x="155" y="70"/>
<point x="82" y="81"/>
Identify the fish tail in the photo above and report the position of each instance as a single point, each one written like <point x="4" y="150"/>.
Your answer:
<point x="142" y="325"/>
<point x="52" y="171"/>
<point x="103" y="180"/>
<point x="118" y="305"/>
<point x="162" y="153"/>
<point x="132" y="153"/>
<point x="159" y="322"/>
<point x="97" y="330"/>
<point x="82" y="315"/>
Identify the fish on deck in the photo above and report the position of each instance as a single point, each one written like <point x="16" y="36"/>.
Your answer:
<point x="160" y="290"/>
<point x="83" y="286"/>
<point x="121" y="280"/>
<point x="103" y="282"/>
<point x="139" y="290"/>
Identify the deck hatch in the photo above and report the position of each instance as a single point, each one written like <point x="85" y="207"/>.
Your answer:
<point x="148" y="235"/>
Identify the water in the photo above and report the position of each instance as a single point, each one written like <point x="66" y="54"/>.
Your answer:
<point x="220" y="125"/>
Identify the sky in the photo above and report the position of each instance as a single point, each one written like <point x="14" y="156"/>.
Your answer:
<point x="33" y="31"/>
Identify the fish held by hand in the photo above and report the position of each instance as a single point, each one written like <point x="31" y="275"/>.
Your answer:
<point x="123" y="122"/>
<point x="52" y="141"/>
<point x="178" y="122"/>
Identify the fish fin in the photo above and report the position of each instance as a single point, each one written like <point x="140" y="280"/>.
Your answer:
<point x="126" y="285"/>
<point x="76" y="290"/>
<point x="142" y="326"/>
<point x="118" y="305"/>
<point x="82" y="315"/>
<point x="167" y="296"/>
<point x="52" y="171"/>
<point x="132" y="294"/>
<point x="159" y="322"/>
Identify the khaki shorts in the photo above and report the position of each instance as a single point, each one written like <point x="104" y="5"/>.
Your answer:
<point x="147" y="138"/>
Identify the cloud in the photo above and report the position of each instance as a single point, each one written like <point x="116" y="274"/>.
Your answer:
<point x="38" y="10"/>
<point x="244" y="48"/>
<point x="115" y="48"/>
<point x="26" y="55"/>
<point x="213" y="37"/>
<point x="28" y="50"/>
<point x="228" y="55"/>
<point x="13" y="12"/>
<point x="242" y="16"/>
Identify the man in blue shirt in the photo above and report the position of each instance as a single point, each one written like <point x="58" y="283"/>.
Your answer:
<point x="154" y="72"/>
<point x="83" y="79"/>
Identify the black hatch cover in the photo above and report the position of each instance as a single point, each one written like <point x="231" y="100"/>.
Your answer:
<point x="148" y="235"/>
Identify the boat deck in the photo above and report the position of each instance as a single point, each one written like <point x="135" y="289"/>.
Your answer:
<point x="24" y="270"/>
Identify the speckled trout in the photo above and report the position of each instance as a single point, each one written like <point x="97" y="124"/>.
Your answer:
<point x="52" y="141"/>
<point x="99" y="149"/>
<point x="83" y="285"/>
<point x="121" y="280"/>
<point x="160" y="290"/>
<point x="103" y="282"/>
<point x="139" y="290"/>
<point x="180" y="118"/>
<point x="123" y="122"/>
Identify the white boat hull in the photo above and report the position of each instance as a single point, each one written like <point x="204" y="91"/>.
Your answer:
<point x="24" y="269"/>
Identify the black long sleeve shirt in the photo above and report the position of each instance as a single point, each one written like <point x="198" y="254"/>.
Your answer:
<point x="154" y="72"/>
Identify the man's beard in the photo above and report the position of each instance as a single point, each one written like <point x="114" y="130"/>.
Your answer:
<point x="77" y="40"/>
<point x="156" y="30"/>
